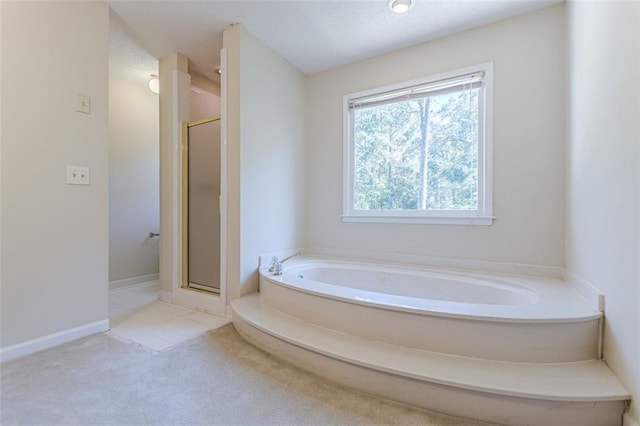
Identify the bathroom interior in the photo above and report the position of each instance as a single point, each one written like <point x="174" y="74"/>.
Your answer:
<point x="560" y="251"/>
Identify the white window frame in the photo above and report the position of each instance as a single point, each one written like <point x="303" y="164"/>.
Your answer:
<point x="483" y="215"/>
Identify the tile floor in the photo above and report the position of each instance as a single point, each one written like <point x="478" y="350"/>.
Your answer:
<point x="137" y="315"/>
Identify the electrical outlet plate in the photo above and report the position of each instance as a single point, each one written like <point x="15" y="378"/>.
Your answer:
<point x="78" y="175"/>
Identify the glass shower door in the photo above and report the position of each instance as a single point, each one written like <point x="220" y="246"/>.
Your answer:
<point x="201" y="205"/>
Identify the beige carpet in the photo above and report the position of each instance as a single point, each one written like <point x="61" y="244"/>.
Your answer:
<point x="215" y="379"/>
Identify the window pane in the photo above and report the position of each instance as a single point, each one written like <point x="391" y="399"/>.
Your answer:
<point x="419" y="154"/>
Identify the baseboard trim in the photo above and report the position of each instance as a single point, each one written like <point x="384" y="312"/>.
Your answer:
<point x="131" y="282"/>
<point x="627" y="420"/>
<point x="590" y="293"/>
<point x="45" y="342"/>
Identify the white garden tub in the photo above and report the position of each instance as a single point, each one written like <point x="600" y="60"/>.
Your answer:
<point x="409" y="286"/>
<point x="483" y="315"/>
<point x="503" y="348"/>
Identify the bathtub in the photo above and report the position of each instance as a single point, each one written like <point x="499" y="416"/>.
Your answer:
<point x="503" y="348"/>
<point x="506" y="317"/>
<point x="406" y="287"/>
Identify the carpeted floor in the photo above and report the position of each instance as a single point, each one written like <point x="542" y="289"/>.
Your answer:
<point x="215" y="379"/>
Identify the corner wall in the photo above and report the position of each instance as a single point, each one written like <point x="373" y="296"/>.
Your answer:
<point x="174" y="110"/>
<point x="54" y="236"/>
<point x="527" y="52"/>
<point x="134" y="144"/>
<point x="266" y="156"/>
<point x="603" y="172"/>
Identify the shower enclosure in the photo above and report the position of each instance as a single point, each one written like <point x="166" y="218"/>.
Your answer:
<point x="201" y="205"/>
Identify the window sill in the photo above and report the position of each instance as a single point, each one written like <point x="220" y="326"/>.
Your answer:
<point x="475" y="220"/>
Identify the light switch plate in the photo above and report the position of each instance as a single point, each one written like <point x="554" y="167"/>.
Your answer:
<point x="83" y="104"/>
<point x="78" y="175"/>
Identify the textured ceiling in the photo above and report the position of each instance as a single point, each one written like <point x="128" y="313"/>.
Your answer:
<point x="127" y="58"/>
<point x="313" y="35"/>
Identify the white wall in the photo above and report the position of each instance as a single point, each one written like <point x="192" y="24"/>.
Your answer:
<point x="202" y="104"/>
<point x="527" y="52"/>
<point x="133" y="179"/>
<point x="54" y="236"/>
<point x="1" y="173"/>
<point x="603" y="180"/>
<point x="266" y="156"/>
<point x="204" y="98"/>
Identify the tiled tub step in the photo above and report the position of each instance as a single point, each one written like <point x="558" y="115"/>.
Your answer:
<point x="570" y="393"/>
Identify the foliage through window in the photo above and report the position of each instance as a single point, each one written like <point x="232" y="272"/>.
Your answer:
<point x="420" y="150"/>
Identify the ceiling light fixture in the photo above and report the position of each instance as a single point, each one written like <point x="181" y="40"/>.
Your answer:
<point x="400" y="6"/>
<point x="154" y="84"/>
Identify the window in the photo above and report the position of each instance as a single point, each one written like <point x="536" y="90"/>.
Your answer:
<point x="420" y="151"/>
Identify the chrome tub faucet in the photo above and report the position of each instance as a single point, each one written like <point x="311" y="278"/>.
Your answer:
<point x="276" y="264"/>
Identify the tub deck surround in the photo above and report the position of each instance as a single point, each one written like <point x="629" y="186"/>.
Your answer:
<point x="548" y="322"/>
<point x="544" y="381"/>
<point x="527" y="355"/>
<point x="581" y="393"/>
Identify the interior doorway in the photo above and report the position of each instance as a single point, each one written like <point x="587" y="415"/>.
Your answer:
<point x="201" y="176"/>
